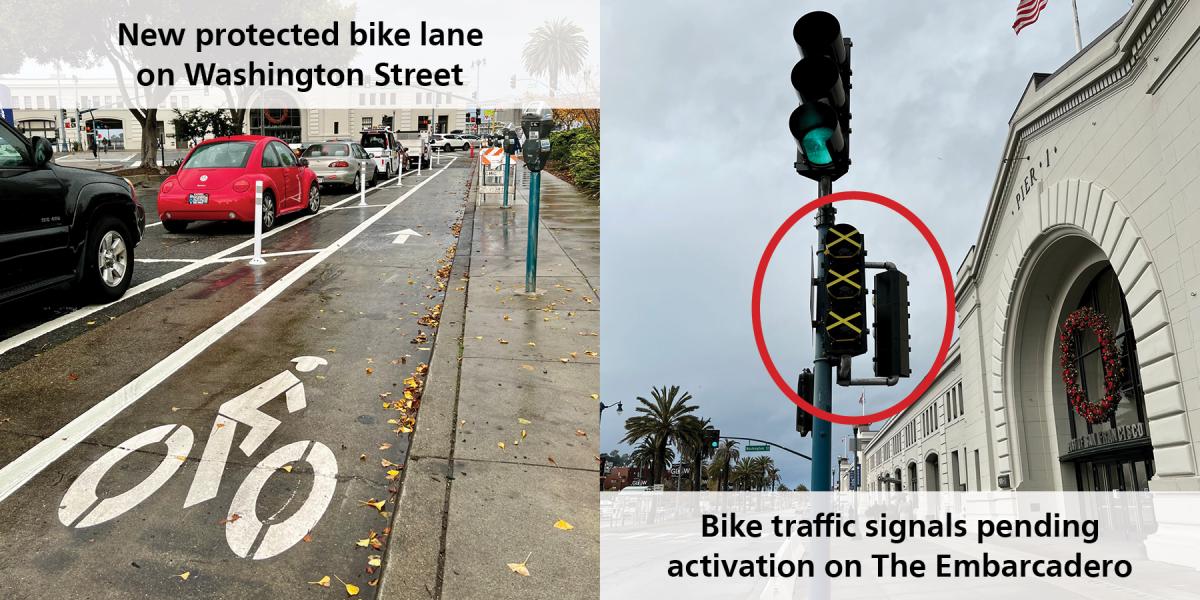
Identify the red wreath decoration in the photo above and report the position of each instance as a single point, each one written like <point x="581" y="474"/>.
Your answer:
<point x="1110" y="355"/>
<point x="283" y="115"/>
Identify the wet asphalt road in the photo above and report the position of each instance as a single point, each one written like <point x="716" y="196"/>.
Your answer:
<point x="75" y="399"/>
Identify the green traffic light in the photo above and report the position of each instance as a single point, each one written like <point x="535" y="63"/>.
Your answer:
<point x="816" y="147"/>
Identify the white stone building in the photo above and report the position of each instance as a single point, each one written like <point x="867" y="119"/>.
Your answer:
<point x="1096" y="203"/>
<point x="37" y="105"/>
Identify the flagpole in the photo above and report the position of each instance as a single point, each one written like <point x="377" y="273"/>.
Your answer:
<point x="1078" y="38"/>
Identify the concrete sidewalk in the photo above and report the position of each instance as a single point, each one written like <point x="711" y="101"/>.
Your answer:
<point x="506" y="443"/>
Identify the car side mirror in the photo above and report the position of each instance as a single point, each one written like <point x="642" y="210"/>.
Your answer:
<point x="42" y="152"/>
<point x="302" y="161"/>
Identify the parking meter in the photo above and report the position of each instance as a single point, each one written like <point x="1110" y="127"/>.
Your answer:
<point x="511" y="142"/>
<point x="537" y="139"/>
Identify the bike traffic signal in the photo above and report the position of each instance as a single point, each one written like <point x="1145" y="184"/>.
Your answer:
<point x="804" y="387"/>
<point x="842" y="285"/>
<point x="821" y="124"/>
<point x="891" y="324"/>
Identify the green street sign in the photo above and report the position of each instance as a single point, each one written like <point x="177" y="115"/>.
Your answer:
<point x="758" y="448"/>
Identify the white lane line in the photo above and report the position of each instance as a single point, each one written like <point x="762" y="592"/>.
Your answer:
<point x="359" y="206"/>
<point x="270" y="255"/>
<point x="49" y="326"/>
<point x="18" y="472"/>
<point x="227" y="259"/>
<point x="149" y="225"/>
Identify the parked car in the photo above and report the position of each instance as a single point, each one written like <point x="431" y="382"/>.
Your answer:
<point x="339" y="163"/>
<point x="216" y="182"/>
<point x="388" y="154"/>
<point x="63" y="225"/>
<point x="450" y="141"/>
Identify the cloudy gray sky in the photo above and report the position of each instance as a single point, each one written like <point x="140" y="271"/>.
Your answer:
<point x="697" y="164"/>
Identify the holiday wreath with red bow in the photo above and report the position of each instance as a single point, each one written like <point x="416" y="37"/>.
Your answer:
<point x="1110" y="356"/>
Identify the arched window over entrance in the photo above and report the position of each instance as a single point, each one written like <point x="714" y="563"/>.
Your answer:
<point x="1115" y="454"/>
<point x="912" y="476"/>
<point x="933" y="473"/>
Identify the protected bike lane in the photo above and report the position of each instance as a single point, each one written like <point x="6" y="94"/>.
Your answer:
<point x="264" y="458"/>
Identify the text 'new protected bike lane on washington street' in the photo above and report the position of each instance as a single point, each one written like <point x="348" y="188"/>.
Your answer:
<point x="245" y="430"/>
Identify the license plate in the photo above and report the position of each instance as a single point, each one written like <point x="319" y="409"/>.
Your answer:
<point x="197" y="198"/>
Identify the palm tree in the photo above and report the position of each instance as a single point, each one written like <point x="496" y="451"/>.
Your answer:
<point x="722" y="463"/>
<point x="553" y="48"/>
<point x="662" y="421"/>
<point x="743" y="474"/>
<point x="782" y="488"/>
<point x="692" y="446"/>
<point x="642" y="456"/>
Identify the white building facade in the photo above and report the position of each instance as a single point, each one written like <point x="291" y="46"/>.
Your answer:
<point x="37" y="106"/>
<point x="1094" y="217"/>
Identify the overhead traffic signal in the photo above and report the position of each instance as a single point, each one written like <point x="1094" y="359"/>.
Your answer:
<point x="844" y="322"/>
<point x="804" y="387"/>
<point x="711" y="438"/>
<point x="821" y="124"/>
<point x="891" y="324"/>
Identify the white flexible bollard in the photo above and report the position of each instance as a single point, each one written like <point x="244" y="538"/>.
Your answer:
<point x="400" y="175"/>
<point x="258" y="224"/>
<point x="362" y="183"/>
<point x="420" y="159"/>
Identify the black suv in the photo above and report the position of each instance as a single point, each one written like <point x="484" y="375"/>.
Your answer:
<point x="60" y="225"/>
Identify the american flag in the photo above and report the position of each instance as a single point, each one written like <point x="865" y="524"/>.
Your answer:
<point x="1027" y="13"/>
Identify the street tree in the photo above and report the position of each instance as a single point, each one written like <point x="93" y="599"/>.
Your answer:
<point x="723" y="459"/>
<point x="555" y="47"/>
<point x="663" y="420"/>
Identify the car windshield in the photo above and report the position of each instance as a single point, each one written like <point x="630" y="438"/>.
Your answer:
<point x="325" y="150"/>
<point x="221" y="155"/>
<point x="373" y="140"/>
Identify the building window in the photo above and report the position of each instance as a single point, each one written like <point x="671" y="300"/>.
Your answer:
<point x="367" y="122"/>
<point x="978" y="480"/>
<point x="335" y="127"/>
<point x="1100" y="465"/>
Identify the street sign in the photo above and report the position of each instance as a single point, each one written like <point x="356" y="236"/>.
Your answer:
<point x="758" y="448"/>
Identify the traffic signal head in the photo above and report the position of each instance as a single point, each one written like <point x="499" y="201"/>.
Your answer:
<point x="821" y="124"/>
<point x="843" y="287"/>
<point x="711" y="438"/>
<point x="804" y="387"/>
<point x="891" y="325"/>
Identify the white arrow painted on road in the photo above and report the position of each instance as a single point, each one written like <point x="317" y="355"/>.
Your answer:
<point x="403" y="235"/>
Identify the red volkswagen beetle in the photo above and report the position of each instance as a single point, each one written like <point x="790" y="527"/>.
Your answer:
<point x="216" y="183"/>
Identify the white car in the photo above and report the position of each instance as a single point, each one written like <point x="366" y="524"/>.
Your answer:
<point x="387" y="153"/>
<point x="451" y="141"/>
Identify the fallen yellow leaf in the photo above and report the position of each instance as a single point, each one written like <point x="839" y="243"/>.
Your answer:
<point x="595" y="396"/>
<point x="363" y="542"/>
<point x="563" y="525"/>
<point x="323" y="582"/>
<point x="184" y="575"/>
<point x="351" y="589"/>
<point x="520" y="568"/>
<point x="522" y="434"/>
<point x="501" y="444"/>
<point x="373" y="560"/>
<point x="286" y="468"/>
<point x="524" y="421"/>
<point x="376" y="504"/>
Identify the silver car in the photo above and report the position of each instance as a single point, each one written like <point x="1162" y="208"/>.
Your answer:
<point x="338" y="163"/>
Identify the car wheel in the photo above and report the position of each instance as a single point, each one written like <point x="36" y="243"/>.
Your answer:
<point x="174" y="226"/>
<point x="466" y="147"/>
<point x="357" y="183"/>
<point x="314" y="200"/>
<point x="108" y="262"/>
<point x="447" y="148"/>
<point x="268" y="211"/>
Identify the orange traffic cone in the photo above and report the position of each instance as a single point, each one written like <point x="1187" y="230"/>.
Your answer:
<point x="472" y="147"/>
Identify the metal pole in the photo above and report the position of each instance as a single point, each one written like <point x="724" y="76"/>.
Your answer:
<point x="258" y="224"/>
<point x="362" y="183"/>
<point x="822" y="363"/>
<point x="535" y="197"/>
<point x="1078" y="39"/>
<point x="507" y="163"/>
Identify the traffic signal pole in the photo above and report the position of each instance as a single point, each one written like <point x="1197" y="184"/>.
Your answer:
<point x="822" y="445"/>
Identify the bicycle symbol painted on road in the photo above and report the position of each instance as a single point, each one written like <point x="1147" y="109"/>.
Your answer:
<point x="81" y="506"/>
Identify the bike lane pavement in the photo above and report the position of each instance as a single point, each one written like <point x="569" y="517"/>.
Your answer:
<point x="356" y="313"/>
